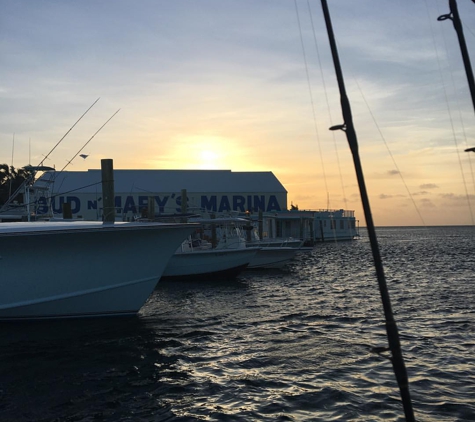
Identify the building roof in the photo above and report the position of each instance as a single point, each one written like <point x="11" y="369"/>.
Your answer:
<point x="143" y="181"/>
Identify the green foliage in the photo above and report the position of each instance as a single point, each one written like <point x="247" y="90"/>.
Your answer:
<point x="10" y="180"/>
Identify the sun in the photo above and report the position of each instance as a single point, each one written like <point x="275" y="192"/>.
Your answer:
<point x="209" y="159"/>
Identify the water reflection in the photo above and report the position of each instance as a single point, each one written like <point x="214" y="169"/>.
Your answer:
<point x="83" y="368"/>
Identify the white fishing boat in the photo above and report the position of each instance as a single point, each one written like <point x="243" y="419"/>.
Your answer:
<point x="82" y="269"/>
<point x="216" y="249"/>
<point x="273" y="257"/>
<point x="231" y="235"/>
<point x="196" y="259"/>
<point x="288" y="242"/>
<point x="273" y="252"/>
<point x="235" y="233"/>
<point x="254" y="239"/>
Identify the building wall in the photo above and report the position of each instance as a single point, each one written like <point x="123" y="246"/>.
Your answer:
<point x="89" y="205"/>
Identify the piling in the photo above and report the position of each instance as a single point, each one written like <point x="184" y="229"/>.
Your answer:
<point x="214" y="239"/>
<point x="261" y="225"/>
<point x="107" y="172"/>
<point x="184" y="205"/>
<point x="151" y="207"/>
<point x="67" y="213"/>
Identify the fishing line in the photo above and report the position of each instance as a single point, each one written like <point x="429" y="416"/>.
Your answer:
<point x="449" y="112"/>
<point x="332" y="221"/>
<point x="457" y="99"/>
<point x="311" y="96"/>
<point x="458" y="26"/>
<point x="325" y="90"/>
<point x="392" y="333"/>
<point x="390" y="153"/>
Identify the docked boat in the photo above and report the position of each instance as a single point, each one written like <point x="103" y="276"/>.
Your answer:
<point x="289" y="242"/>
<point x="196" y="259"/>
<point x="82" y="269"/>
<point x="216" y="249"/>
<point x="273" y="257"/>
<point x="309" y="226"/>
<point x="255" y="239"/>
<point x="268" y="254"/>
<point x="236" y="233"/>
<point x="273" y="253"/>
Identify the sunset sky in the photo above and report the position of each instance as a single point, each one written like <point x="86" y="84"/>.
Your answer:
<point x="249" y="85"/>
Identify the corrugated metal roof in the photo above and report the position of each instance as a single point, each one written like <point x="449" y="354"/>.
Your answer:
<point x="131" y="181"/>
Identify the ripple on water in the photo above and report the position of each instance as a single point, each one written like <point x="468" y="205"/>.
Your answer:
<point x="269" y="346"/>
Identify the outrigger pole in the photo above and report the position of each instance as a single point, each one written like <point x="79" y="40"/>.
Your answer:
<point x="391" y="327"/>
<point x="89" y="140"/>
<point x="455" y="18"/>
<point x="39" y="167"/>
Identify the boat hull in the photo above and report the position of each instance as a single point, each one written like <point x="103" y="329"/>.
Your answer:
<point x="272" y="257"/>
<point x="81" y="270"/>
<point x="205" y="264"/>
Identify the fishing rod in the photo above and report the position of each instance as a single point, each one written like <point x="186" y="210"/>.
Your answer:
<point x="66" y="134"/>
<point x="391" y="327"/>
<point x="56" y="174"/>
<point x="39" y="167"/>
<point x="455" y="18"/>
<point x="90" y="139"/>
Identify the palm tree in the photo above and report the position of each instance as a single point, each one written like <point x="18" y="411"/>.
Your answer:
<point x="4" y="173"/>
<point x="10" y="180"/>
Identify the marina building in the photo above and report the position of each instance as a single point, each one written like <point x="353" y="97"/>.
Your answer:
<point x="157" y="193"/>
<point x="217" y="191"/>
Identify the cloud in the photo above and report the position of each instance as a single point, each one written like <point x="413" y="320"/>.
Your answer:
<point x="428" y="186"/>
<point x="456" y="197"/>
<point x="385" y="196"/>
<point x="393" y="172"/>
<point x="427" y="203"/>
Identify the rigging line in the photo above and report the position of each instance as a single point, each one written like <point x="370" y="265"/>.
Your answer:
<point x="322" y="75"/>
<point x="76" y="189"/>
<point x="397" y="359"/>
<point x="311" y="96"/>
<point x="449" y="110"/>
<point x="390" y="154"/>
<point x="34" y="202"/>
<point x="70" y="129"/>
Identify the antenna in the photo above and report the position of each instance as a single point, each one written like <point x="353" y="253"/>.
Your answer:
<point x="11" y="179"/>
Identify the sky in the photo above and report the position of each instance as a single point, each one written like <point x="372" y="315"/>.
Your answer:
<point x="249" y="85"/>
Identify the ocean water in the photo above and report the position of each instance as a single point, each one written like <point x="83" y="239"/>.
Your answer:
<point x="291" y="345"/>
